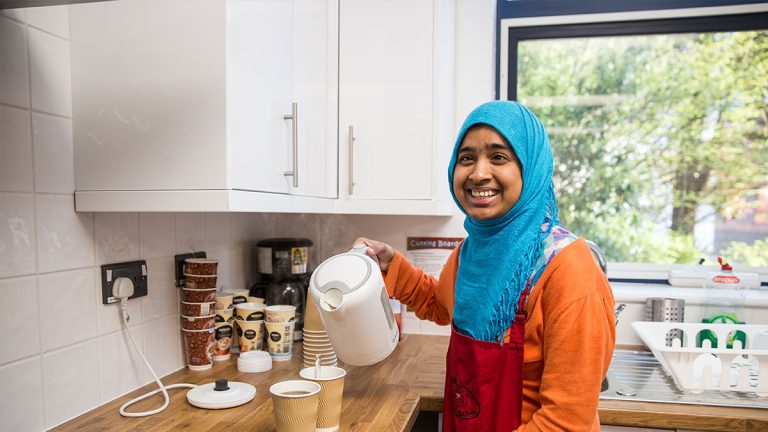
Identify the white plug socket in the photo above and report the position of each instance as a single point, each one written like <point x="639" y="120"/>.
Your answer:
<point x="122" y="288"/>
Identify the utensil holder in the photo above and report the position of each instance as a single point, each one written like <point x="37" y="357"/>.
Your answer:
<point x="659" y="309"/>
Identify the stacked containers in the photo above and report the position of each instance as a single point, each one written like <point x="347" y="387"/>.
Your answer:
<point x="198" y="306"/>
<point x="225" y="330"/>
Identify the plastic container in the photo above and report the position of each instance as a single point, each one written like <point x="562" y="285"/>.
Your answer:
<point x="699" y="368"/>
<point x="725" y="292"/>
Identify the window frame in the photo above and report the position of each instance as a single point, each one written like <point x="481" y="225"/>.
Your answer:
<point x="742" y="17"/>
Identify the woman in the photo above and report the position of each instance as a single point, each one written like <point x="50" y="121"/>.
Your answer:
<point x="531" y="313"/>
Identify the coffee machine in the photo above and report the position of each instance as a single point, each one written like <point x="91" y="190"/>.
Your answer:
<point x="284" y="270"/>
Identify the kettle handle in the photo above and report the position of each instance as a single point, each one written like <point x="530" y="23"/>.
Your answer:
<point x="360" y="248"/>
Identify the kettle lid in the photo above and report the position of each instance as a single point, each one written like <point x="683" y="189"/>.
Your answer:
<point x="346" y="272"/>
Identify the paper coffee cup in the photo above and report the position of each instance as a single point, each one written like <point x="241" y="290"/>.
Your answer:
<point x="197" y="346"/>
<point x="223" y="341"/>
<point x="225" y="315"/>
<point x="239" y="296"/>
<point x="257" y="300"/>
<point x="250" y="312"/>
<point x="331" y="380"/>
<point x="250" y="335"/>
<point x="295" y="405"/>
<point x="224" y="301"/>
<point x="280" y="340"/>
<point x="280" y="313"/>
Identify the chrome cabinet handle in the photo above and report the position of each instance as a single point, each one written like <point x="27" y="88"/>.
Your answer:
<point x="294" y="144"/>
<point x="351" y="159"/>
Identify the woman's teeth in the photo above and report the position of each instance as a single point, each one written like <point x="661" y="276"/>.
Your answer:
<point x="483" y="194"/>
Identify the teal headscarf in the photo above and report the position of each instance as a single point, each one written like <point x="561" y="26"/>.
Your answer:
<point x="499" y="255"/>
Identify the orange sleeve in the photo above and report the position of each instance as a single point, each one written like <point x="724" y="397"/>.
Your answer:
<point x="577" y="340"/>
<point x="430" y="298"/>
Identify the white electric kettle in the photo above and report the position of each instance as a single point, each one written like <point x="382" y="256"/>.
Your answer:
<point x="353" y="303"/>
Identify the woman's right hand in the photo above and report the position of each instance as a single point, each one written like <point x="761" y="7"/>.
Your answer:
<point x="379" y="250"/>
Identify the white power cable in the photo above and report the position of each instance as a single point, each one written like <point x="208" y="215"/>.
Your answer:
<point x="122" y="291"/>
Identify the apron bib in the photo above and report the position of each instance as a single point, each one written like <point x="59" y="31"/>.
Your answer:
<point x="484" y="382"/>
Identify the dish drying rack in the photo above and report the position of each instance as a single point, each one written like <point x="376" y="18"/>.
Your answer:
<point x="725" y="367"/>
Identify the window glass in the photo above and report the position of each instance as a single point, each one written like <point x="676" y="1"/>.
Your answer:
<point x="660" y="141"/>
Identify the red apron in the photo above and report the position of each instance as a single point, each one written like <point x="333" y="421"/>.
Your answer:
<point x="484" y="381"/>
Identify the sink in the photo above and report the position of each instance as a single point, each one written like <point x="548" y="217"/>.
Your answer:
<point x="638" y="376"/>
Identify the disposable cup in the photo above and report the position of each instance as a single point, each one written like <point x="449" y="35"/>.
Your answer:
<point x="224" y="301"/>
<point x="225" y="315"/>
<point x="295" y="405"/>
<point x="331" y="380"/>
<point x="197" y="309"/>
<point x="249" y="311"/>
<point x="250" y="335"/>
<point x="280" y="340"/>
<point x="223" y="345"/>
<point x="199" y="282"/>
<point x="197" y="346"/>
<point x="257" y="300"/>
<point x="200" y="266"/>
<point x="239" y="296"/>
<point x="194" y="295"/>
<point x="197" y="322"/>
<point x="280" y="313"/>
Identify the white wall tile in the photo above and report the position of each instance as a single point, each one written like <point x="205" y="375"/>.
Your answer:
<point x="23" y="409"/>
<point x="20" y="321"/>
<point x="162" y="298"/>
<point x="53" y="19"/>
<point x="243" y="267"/>
<point x="16" y="151"/>
<point x="122" y="369"/>
<point x="190" y="232"/>
<point x="161" y="341"/>
<point x="54" y="160"/>
<point x="17" y="234"/>
<point x="64" y="238"/>
<point x="50" y="73"/>
<point x="14" y="75"/>
<point x="71" y="378"/>
<point x="17" y="14"/>
<point x="224" y="270"/>
<point x="67" y="308"/>
<point x="218" y="231"/>
<point x="117" y="237"/>
<point x="245" y="229"/>
<point x="157" y="235"/>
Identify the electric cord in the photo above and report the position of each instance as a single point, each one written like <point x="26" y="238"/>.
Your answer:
<point x="162" y="388"/>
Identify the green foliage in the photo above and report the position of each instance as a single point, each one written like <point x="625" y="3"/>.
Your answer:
<point x="648" y="129"/>
<point x="755" y="254"/>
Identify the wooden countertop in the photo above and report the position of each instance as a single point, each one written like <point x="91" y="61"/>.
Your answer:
<point x="383" y="397"/>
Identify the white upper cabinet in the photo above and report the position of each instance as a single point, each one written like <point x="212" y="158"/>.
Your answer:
<point x="238" y="105"/>
<point x="395" y="99"/>
<point x="186" y="106"/>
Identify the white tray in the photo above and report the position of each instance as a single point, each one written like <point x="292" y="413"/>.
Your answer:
<point x="699" y="369"/>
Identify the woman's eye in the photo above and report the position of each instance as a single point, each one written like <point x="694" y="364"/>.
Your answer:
<point x="499" y="157"/>
<point x="465" y="158"/>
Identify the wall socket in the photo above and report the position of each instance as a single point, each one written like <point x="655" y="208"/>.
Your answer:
<point x="179" y="265"/>
<point x="136" y="271"/>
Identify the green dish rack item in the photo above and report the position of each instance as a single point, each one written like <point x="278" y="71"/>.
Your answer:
<point x="725" y="318"/>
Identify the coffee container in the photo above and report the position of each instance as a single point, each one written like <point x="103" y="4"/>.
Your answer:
<point x="284" y="268"/>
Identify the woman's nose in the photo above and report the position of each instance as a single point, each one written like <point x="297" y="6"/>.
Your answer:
<point x="481" y="171"/>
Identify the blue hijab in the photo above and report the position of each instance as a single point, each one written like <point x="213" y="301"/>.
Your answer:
<point x="499" y="255"/>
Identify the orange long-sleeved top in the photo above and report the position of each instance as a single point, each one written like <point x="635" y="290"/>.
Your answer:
<point x="569" y="333"/>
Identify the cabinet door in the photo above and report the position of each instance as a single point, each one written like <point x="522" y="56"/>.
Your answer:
<point x="386" y="50"/>
<point x="259" y="89"/>
<point x="315" y="78"/>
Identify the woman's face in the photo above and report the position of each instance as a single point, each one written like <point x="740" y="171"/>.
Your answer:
<point x="487" y="179"/>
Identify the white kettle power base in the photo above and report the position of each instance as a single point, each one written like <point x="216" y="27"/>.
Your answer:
<point x="221" y="394"/>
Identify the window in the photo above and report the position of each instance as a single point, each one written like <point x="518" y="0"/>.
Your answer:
<point x="659" y="129"/>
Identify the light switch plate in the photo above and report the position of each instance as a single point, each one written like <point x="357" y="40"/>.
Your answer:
<point x="136" y="271"/>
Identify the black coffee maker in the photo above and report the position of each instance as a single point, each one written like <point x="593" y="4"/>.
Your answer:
<point x="283" y="266"/>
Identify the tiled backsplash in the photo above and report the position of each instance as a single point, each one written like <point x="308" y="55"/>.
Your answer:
<point x="64" y="352"/>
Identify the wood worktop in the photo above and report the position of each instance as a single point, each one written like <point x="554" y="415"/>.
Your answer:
<point x="383" y="397"/>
